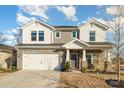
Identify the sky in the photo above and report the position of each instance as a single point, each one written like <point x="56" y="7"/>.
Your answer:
<point x="12" y="17"/>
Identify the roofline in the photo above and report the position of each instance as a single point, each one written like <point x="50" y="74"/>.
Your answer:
<point x="37" y="21"/>
<point x="6" y="47"/>
<point x="65" y="26"/>
<point x="95" y="21"/>
<point x="75" y="40"/>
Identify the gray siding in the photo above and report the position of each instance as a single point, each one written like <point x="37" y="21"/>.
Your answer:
<point x="65" y="36"/>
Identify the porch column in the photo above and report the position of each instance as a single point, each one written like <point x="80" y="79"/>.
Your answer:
<point x="68" y="55"/>
<point x="108" y="56"/>
<point x="83" y="63"/>
<point x="84" y="55"/>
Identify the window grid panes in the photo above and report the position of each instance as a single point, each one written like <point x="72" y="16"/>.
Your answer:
<point x="57" y="34"/>
<point x="92" y="35"/>
<point x="74" y="34"/>
<point x="33" y="36"/>
<point x="93" y="57"/>
<point x="41" y="35"/>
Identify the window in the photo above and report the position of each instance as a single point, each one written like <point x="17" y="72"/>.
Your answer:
<point x="92" y="58"/>
<point x="92" y="35"/>
<point x="57" y="34"/>
<point x="41" y="35"/>
<point x="95" y="57"/>
<point x="74" y="34"/>
<point x="33" y="36"/>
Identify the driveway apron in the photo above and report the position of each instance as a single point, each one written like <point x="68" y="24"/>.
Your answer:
<point x="30" y="79"/>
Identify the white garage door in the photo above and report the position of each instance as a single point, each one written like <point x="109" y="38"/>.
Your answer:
<point x="41" y="61"/>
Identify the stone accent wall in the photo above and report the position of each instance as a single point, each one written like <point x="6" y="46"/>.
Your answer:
<point x="80" y="60"/>
<point x="101" y="62"/>
<point x="5" y="60"/>
<point x="19" y="59"/>
<point x="109" y="67"/>
<point x="42" y="51"/>
<point x="62" y="58"/>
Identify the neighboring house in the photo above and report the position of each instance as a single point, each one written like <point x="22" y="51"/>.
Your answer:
<point x="6" y="56"/>
<point x="114" y="60"/>
<point x="48" y="47"/>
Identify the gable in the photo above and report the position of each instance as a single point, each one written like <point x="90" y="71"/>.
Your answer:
<point x="95" y="23"/>
<point x="76" y="44"/>
<point x="37" y="22"/>
<point x="36" y="26"/>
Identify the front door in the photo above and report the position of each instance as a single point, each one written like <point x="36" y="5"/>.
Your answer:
<point x="74" y="60"/>
<point x="89" y="60"/>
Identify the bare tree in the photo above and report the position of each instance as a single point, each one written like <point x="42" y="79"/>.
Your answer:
<point x="116" y="24"/>
<point x="17" y="36"/>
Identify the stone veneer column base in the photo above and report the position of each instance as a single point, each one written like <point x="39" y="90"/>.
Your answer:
<point x="84" y="64"/>
<point x="109" y="66"/>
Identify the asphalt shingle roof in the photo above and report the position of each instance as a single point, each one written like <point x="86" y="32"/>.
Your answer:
<point x="60" y="44"/>
<point x="2" y="46"/>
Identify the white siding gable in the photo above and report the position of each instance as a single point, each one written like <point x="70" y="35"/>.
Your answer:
<point x="36" y="26"/>
<point x="85" y="30"/>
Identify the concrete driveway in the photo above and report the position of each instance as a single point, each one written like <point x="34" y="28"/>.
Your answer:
<point x="30" y="79"/>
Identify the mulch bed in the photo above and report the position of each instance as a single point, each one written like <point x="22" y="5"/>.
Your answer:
<point x="7" y="70"/>
<point x="81" y="80"/>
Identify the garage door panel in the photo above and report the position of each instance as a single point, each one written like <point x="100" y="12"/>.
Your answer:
<point x="41" y="61"/>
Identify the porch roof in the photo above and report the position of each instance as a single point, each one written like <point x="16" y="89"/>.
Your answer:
<point x="100" y="43"/>
<point x="75" y="43"/>
<point x="79" y="44"/>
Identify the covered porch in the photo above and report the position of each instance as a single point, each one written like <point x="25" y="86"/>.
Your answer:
<point x="81" y="54"/>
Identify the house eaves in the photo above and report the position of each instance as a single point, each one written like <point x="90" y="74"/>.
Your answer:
<point x="96" y="22"/>
<point x="37" y="20"/>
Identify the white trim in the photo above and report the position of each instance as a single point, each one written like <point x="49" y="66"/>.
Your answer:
<point x="36" y="20"/>
<point x="84" y="55"/>
<point x="75" y="40"/>
<point x="59" y="35"/>
<point x="94" y="21"/>
<point x="67" y="55"/>
<point x="36" y="35"/>
<point x="49" y="59"/>
<point x="43" y="37"/>
<point x="89" y="36"/>
<point x="72" y="35"/>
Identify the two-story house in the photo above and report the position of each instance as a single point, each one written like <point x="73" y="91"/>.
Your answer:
<point x="48" y="47"/>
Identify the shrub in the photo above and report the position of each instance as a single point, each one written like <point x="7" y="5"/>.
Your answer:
<point x="67" y="65"/>
<point x="84" y="69"/>
<point x="13" y="68"/>
<point x="1" y="68"/>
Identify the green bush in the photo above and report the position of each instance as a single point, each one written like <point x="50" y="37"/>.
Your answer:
<point x="13" y="68"/>
<point x="1" y="68"/>
<point x="84" y="69"/>
<point x="67" y="65"/>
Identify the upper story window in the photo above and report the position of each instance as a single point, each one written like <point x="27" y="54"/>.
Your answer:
<point x="33" y="35"/>
<point x="92" y="35"/>
<point x="74" y="34"/>
<point x="41" y="35"/>
<point x="58" y="34"/>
